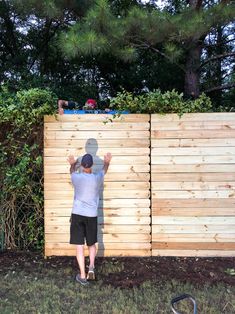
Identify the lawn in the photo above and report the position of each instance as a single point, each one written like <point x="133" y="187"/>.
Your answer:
<point x="32" y="284"/>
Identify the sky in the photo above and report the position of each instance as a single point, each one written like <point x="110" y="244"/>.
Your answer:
<point x="160" y="3"/>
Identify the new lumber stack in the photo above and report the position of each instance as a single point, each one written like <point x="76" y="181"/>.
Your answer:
<point x="193" y="184"/>
<point x="124" y="210"/>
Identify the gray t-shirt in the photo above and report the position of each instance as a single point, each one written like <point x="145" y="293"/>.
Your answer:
<point x="87" y="187"/>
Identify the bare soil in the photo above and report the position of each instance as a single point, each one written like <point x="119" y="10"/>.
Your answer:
<point x="127" y="272"/>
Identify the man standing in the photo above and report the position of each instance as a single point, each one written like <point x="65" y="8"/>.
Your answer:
<point x="87" y="186"/>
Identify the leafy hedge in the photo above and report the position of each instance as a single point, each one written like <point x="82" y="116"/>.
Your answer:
<point x="21" y="147"/>
<point x="21" y="170"/>
<point x="157" y="102"/>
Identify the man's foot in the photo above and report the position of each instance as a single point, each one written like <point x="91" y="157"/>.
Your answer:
<point x="91" y="274"/>
<point x="82" y="281"/>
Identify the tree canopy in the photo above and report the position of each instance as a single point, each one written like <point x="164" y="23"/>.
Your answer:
<point x="84" y="49"/>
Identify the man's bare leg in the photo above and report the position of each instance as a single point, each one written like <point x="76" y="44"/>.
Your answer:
<point x="81" y="260"/>
<point x="92" y="255"/>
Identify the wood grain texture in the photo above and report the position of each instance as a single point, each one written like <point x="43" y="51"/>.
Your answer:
<point x="194" y="253"/>
<point x="93" y="144"/>
<point x="97" y="118"/>
<point x="210" y="116"/>
<point x="192" y="185"/>
<point x="124" y="208"/>
<point x="106" y="253"/>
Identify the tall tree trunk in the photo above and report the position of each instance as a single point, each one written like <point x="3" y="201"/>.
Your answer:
<point x="191" y="82"/>
<point x="220" y="49"/>
<point x="192" y="76"/>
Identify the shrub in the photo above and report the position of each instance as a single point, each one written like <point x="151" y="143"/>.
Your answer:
<point x="21" y="184"/>
<point x="157" y="102"/>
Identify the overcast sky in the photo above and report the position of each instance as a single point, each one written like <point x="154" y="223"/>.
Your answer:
<point x="160" y="3"/>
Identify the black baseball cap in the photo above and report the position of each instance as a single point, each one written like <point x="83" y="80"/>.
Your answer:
<point x="87" y="161"/>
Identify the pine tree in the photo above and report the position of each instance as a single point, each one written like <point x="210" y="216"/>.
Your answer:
<point x="177" y="36"/>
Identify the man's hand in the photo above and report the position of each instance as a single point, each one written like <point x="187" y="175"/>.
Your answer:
<point x="107" y="158"/>
<point x="71" y="160"/>
<point x="74" y="164"/>
<point x="62" y="103"/>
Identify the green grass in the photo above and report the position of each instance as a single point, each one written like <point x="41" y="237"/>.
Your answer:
<point x="55" y="291"/>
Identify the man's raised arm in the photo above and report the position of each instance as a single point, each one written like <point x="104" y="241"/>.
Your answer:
<point x="73" y="164"/>
<point x="107" y="159"/>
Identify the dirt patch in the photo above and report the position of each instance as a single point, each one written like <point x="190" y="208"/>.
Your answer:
<point x="127" y="271"/>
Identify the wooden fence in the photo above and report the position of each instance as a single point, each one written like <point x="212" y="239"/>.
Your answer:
<point x="124" y="210"/>
<point x="192" y="183"/>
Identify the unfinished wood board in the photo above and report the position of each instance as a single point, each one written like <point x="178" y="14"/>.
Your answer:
<point x="124" y="208"/>
<point x="192" y="184"/>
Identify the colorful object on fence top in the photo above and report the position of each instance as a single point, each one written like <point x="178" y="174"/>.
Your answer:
<point x="91" y="103"/>
<point x="96" y="111"/>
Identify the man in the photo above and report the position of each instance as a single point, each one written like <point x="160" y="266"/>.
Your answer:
<point x="87" y="186"/>
<point x="68" y="104"/>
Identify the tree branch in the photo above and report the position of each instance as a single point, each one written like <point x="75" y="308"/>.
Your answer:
<point x="166" y="56"/>
<point x="224" y="55"/>
<point x="220" y="87"/>
<point x="144" y="45"/>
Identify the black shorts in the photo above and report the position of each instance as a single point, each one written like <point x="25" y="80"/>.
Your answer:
<point x="82" y="228"/>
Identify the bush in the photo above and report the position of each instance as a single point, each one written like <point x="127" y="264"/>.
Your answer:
<point x="21" y="171"/>
<point x="157" y="102"/>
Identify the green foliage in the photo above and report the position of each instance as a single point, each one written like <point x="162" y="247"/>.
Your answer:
<point x="157" y="102"/>
<point x="21" y="143"/>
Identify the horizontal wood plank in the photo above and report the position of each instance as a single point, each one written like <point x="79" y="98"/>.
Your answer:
<point x="193" y="211"/>
<point x="194" y="194"/>
<point x="188" y="203"/>
<point x="106" y="246"/>
<point x="193" y="246"/>
<point x="106" y="203"/>
<point x="116" y="160"/>
<point x="109" y="177"/>
<point x="60" y="194"/>
<point x="95" y="151"/>
<point x="98" y="126"/>
<point x="122" y="185"/>
<point x="193" y="228"/>
<point x="104" y="238"/>
<point x="193" y="176"/>
<point x="102" y="212"/>
<point x="102" y="229"/>
<point x="115" y="253"/>
<point x="92" y="144"/>
<point x="193" y="237"/>
<point x="112" y="168"/>
<point x="193" y="253"/>
<point x="208" y="116"/>
<point x="63" y="135"/>
<point x="185" y="220"/>
<point x="192" y="142"/>
<point x="187" y="160"/>
<point x="193" y="151"/>
<point x="193" y="134"/>
<point x="123" y="118"/>
<point x="130" y="220"/>
<point x="158" y="186"/>
<point x="193" y="168"/>
<point x="193" y="125"/>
